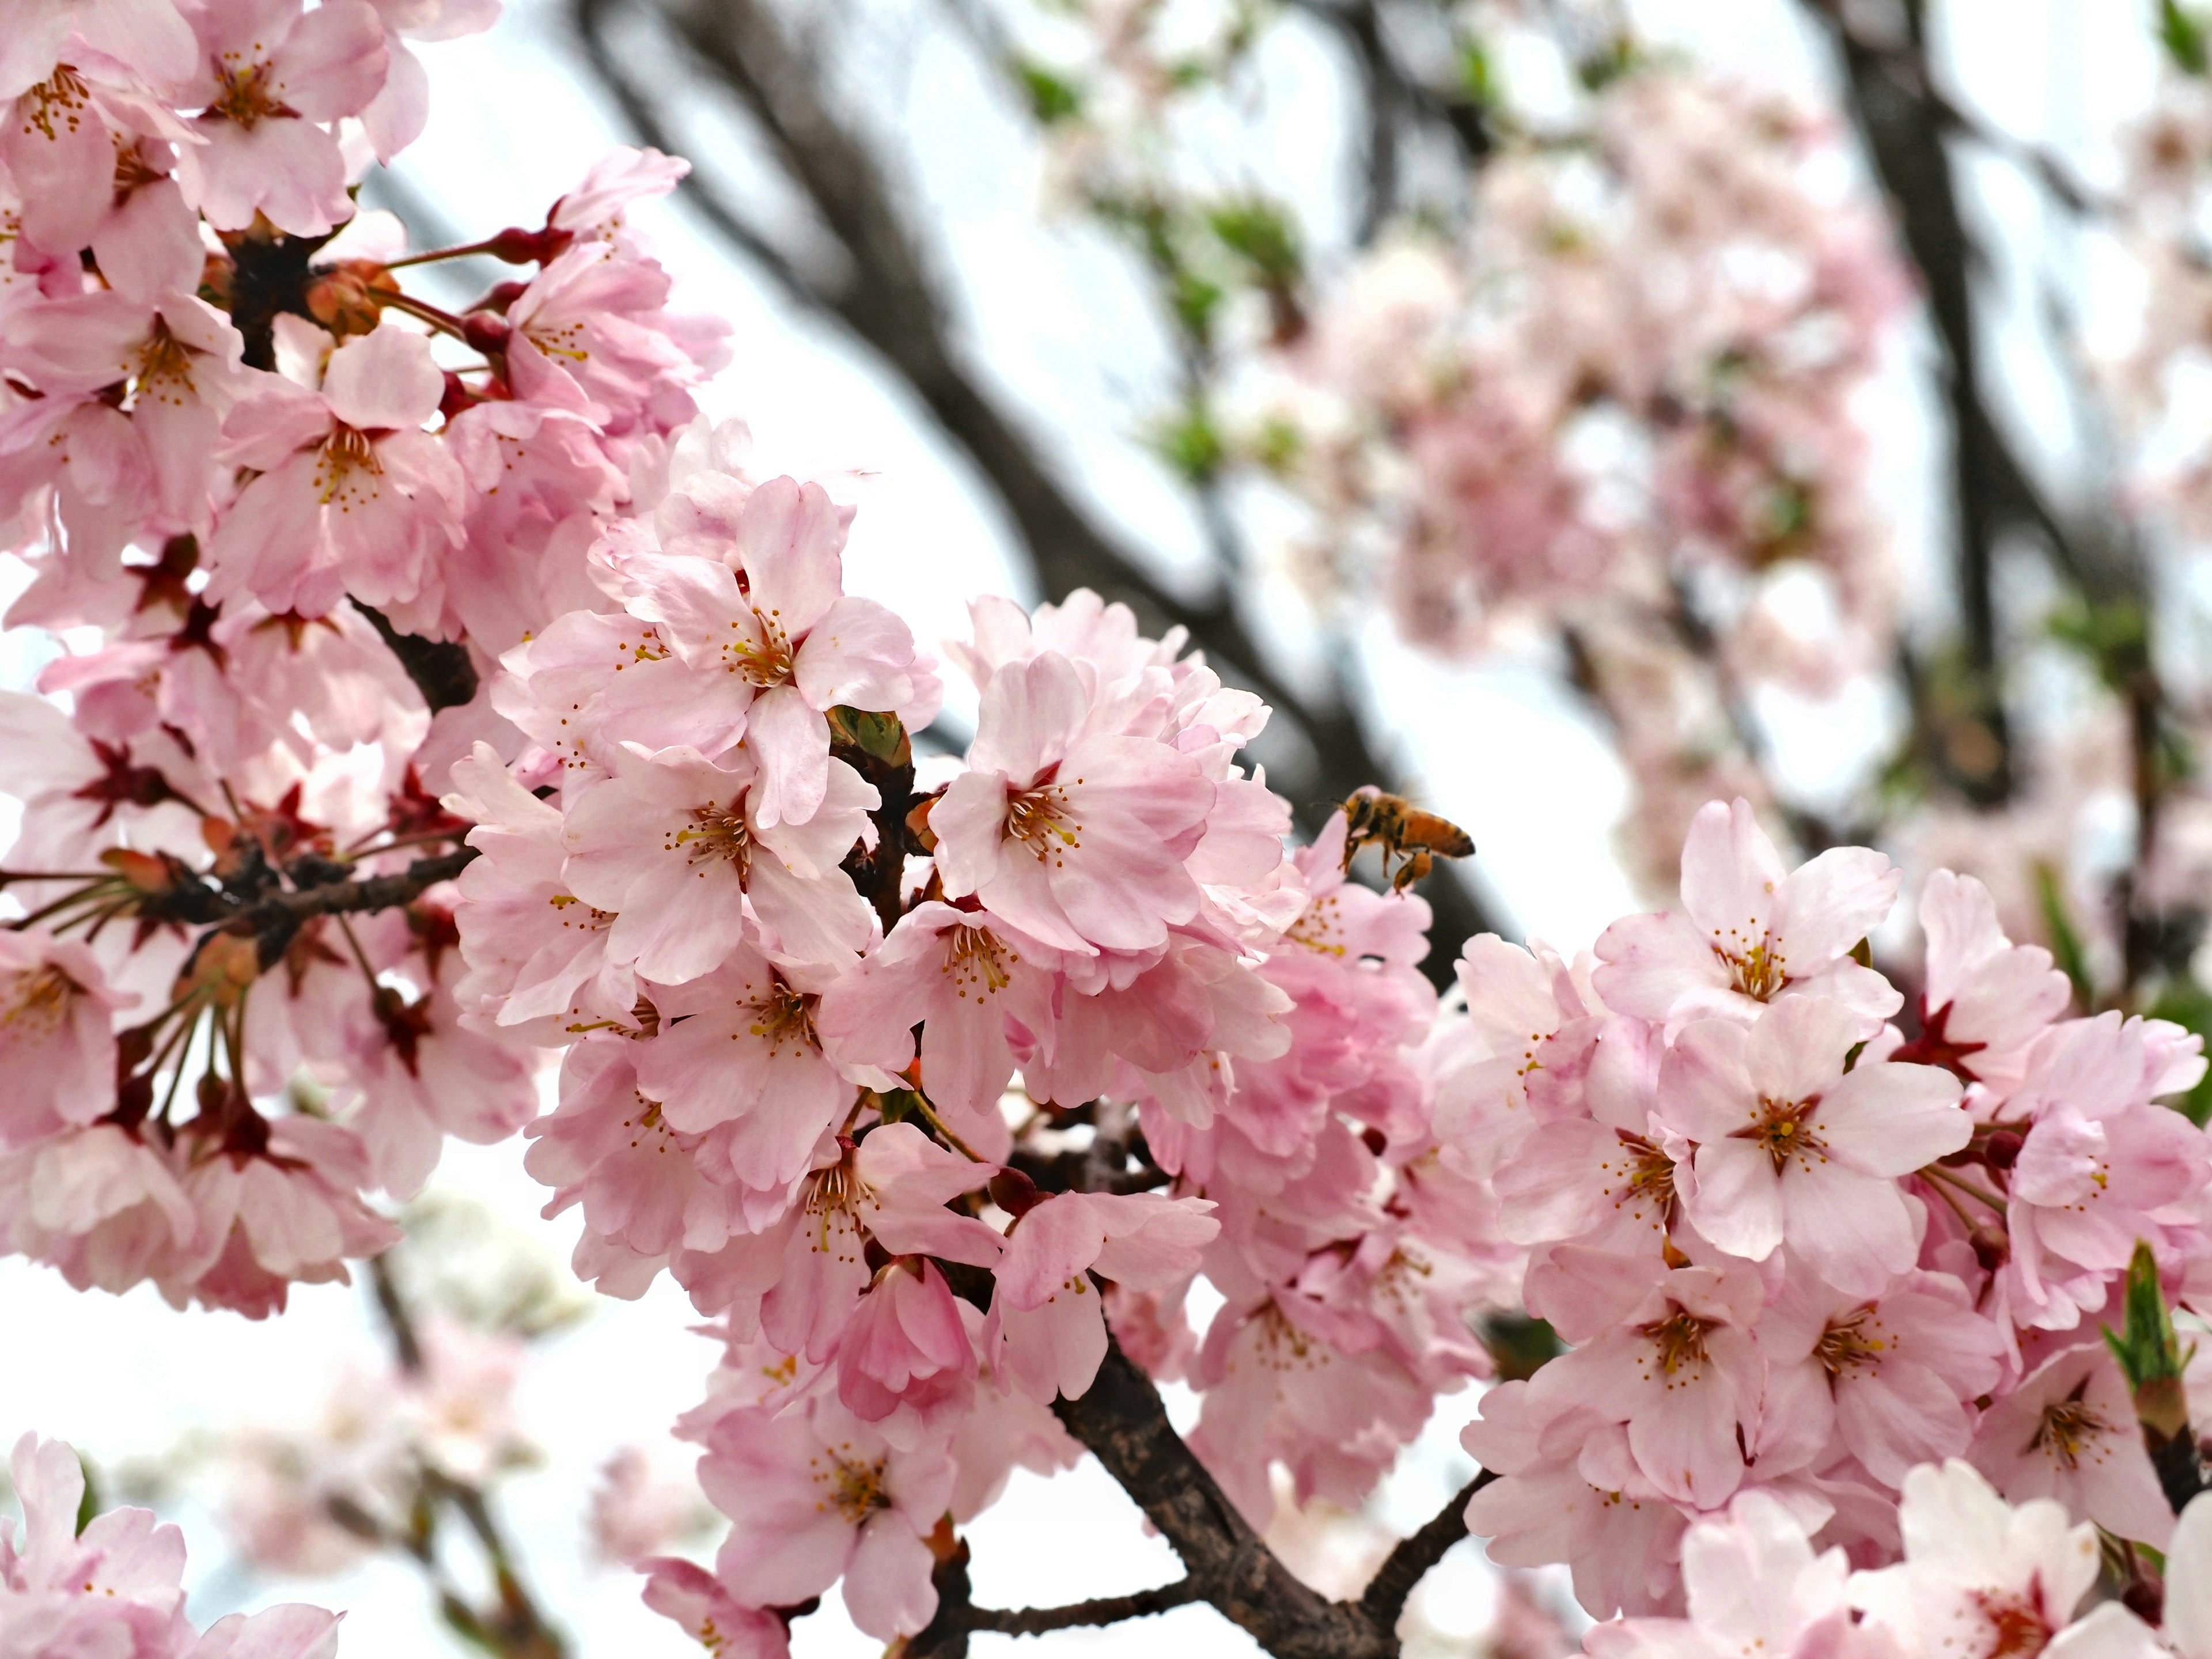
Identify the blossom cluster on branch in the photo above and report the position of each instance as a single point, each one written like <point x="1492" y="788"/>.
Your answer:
<point x="446" y="700"/>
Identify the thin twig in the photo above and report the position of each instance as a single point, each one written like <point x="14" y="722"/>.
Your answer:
<point x="1102" y="1610"/>
<point x="1384" y="1598"/>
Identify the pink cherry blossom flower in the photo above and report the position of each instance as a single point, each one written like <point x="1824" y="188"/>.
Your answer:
<point x="590" y="333"/>
<point x="709" y="1614"/>
<point x="1045" y="1303"/>
<point x="421" y="1076"/>
<point x="1076" y="837"/>
<point x="608" y="1147"/>
<point x="671" y="846"/>
<point x="907" y="1347"/>
<point x="814" y="1494"/>
<point x="1680" y="1372"/>
<point x="1792" y="1147"/>
<point x="537" y="953"/>
<point x="961" y="976"/>
<point x="1986" y="1000"/>
<point x="2100" y="1167"/>
<point x="115" y="1586"/>
<point x="1277" y="1388"/>
<point x="1981" y="1576"/>
<point x="1748" y="933"/>
<point x="592" y="683"/>
<point x="294" y="1213"/>
<point x="2068" y="1432"/>
<point x="57" y="1036"/>
<point x="801" y="1275"/>
<point x="269" y="72"/>
<point x="1753" y="1585"/>
<point x="1892" y="1377"/>
<point x="789" y="637"/>
<point x="353" y="497"/>
<point x="738" y="1048"/>
<point x="101" y="1205"/>
<point x="1571" y="1494"/>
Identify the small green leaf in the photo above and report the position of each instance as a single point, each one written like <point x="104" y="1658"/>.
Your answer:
<point x="2065" y="942"/>
<point x="1260" y="235"/>
<point x="88" y="1505"/>
<point x="2183" y="37"/>
<point x="1476" y="76"/>
<point x="1052" y="99"/>
<point x="1278" y="445"/>
<point x="1192" y="445"/>
<point x="2189" y="1005"/>
<point x="1518" y="1345"/>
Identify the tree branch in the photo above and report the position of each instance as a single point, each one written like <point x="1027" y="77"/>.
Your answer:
<point x="1122" y="1422"/>
<point x="1410" y="1562"/>
<point x="1103" y="1610"/>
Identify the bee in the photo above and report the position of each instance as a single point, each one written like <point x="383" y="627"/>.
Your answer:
<point x="1404" y="832"/>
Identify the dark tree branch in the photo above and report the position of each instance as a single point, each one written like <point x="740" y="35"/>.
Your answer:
<point x="1410" y="1562"/>
<point x="1905" y="119"/>
<point x="888" y="299"/>
<point x="1122" y="1422"/>
<point x="441" y="669"/>
<point x="1104" y="1610"/>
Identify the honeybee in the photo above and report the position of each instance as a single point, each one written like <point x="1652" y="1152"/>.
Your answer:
<point x="1404" y="832"/>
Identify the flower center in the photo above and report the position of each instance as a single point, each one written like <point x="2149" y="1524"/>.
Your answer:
<point x="165" y="371"/>
<point x="1642" y="1178"/>
<point x="56" y="106"/>
<point x="1784" y="1130"/>
<point x="976" y="960"/>
<point x="769" y="662"/>
<point x="1678" y="1342"/>
<point x="1755" y="968"/>
<point x="39" y="1001"/>
<point x="855" y="1488"/>
<point x="1038" y="818"/>
<point x="2017" y="1628"/>
<point x="246" y="96"/>
<point x="1847" y="1343"/>
<point x="784" y="1016"/>
<point x="347" y="470"/>
<point x="718" y="833"/>
<point x="2069" y="1428"/>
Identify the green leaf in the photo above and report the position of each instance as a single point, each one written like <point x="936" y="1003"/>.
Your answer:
<point x="88" y="1505"/>
<point x="1476" y="76"/>
<point x="2183" y="37"/>
<point x="1192" y="445"/>
<point x="1519" y="1347"/>
<point x="1278" y="444"/>
<point x="2065" y="942"/>
<point x="1052" y="99"/>
<point x="2145" y="1346"/>
<point x="2188" y="1005"/>
<point x="2114" y="636"/>
<point x="880" y="736"/>
<point x="1260" y="235"/>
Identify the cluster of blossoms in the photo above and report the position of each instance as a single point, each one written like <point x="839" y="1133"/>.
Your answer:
<point x="1620" y="407"/>
<point x="1977" y="1576"/>
<point x="114" y="1584"/>
<point x="290" y="515"/>
<point x="795" y="984"/>
<point x="1798" y="1253"/>
<point x="931" y="1080"/>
